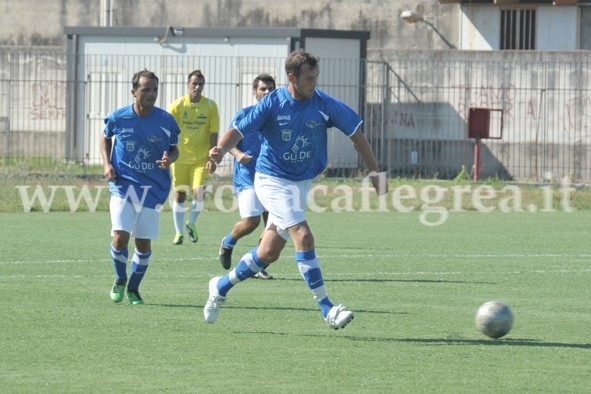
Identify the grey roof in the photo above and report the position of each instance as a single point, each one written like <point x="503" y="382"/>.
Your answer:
<point x="268" y="32"/>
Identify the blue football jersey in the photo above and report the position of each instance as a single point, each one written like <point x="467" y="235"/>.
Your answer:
<point x="251" y="144"/>
<point x="139" y="142"/>
<point x="294" y="133"/>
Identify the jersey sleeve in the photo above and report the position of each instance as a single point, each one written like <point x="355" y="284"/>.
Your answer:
<point x="255" y="119"/>
<point x="344" y="117"/>
<point x="109" y="126"/>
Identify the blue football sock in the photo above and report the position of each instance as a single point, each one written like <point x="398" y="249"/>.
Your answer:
<point x="310" y="270"/>
<point x="228" y="241"/>
<point x="139" y="266"/>
<point x="248" y="267"/>
<point x="120" y="262"/>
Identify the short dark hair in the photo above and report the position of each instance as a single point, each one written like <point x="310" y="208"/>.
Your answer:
<point x="266" y="78"/>
<point x="135" y="81"/>
<point x="296" y="59"/>
<point x="196" y="73"/>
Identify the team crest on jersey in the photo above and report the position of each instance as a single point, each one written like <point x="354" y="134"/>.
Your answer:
<point x="130" y="146"/>
<point x="286" y="135"/>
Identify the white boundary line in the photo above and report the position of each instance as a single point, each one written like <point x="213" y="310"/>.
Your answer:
<point x="326" y="256"/>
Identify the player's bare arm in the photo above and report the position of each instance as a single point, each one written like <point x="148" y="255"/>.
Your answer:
<point x="378" y="179"/>
<point x="106" y="145"/>
<point x="228" y="141"/>
<point x="241" y="157"/>
<point x="168" y="158"/>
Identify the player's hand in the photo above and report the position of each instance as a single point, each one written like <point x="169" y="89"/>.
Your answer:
<point x="165" y="162"/>
<point x="210" y="166"/>
<point x="379" y="182"/>
<point x="216" y="154"/>
<point x="244" y="158"/>
<point x="109" y="172"/>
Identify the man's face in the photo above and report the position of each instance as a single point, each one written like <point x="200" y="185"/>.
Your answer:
<point x="195" y="86"/>
<point x="305" y="84"/>
<point x="263" y="89"/>
<point x="146" y="93"/>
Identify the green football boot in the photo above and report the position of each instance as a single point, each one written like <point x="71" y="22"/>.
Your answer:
<point x="134" y="297"/>
<point x="192" y="233"/>
<point x="178" y="239"/>
<point x="118" y="290"/>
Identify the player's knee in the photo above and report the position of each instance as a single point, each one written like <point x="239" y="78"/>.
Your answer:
<point x="302" y="237"/>
<point x="120" y="239"/>
<point x="269" y="256"/>
<point x="180" y="197"/>
<point x="306" y="241"/>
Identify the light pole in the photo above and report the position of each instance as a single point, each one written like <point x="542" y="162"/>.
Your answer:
<point x="411" y="17"/>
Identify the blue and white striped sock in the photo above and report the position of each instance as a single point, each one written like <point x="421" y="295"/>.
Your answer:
<point x="228" y="241"/>
<point x="139" y="266"/>
<point x="310" y="270"/>
<point x="248" y="267"/>
<point x="120" y="262"/>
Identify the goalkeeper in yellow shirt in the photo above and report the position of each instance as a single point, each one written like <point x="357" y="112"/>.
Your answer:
<point x="199" y="121"/>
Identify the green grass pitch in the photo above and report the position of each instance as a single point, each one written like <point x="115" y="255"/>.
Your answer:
<point x="414" y="290"/>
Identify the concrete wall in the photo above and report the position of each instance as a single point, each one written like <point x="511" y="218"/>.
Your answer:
<point x="41" y="22"/>
<point x="543" y="97"/>
<point x="20" y="20"/>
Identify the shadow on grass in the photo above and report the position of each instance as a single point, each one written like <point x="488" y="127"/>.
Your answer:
<point x="381" y="280"/>
<point x="268" y="308"/>
<point x="478" y="342"/>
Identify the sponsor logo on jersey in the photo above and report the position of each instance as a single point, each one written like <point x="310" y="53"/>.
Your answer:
<point x="283" y="119"/>
<point x="298" y="153"/>
<point x="312" y="123"/>
<point x="139" y="162"/>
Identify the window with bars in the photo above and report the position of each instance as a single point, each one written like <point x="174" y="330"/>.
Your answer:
<point x="518" y="29"/>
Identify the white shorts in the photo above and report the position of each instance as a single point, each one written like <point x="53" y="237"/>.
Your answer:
<point x="249" y="204"/>
<point x="124" y="217"/>
<point x="285" y="200"/>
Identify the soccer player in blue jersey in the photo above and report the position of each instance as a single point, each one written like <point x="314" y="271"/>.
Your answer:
<point x="245" y="155"/>
<point x="293" y="123"/>
<point x="138" y="145"/>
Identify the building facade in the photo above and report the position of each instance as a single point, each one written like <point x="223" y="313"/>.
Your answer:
<point x="467" y="24"/>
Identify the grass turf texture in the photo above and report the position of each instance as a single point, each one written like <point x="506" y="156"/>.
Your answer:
<point x="414" y="290"/>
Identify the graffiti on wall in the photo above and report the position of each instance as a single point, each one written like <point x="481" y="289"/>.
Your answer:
<point x="48" y="101"/>
<point x="578" y="109"/>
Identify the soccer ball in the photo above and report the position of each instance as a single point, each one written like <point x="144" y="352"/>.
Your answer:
<point x="494" y="319"/>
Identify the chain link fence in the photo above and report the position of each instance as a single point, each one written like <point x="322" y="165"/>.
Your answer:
<point x="416" y="106"/>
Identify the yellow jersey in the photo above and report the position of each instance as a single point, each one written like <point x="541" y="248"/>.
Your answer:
<point x="197" y="121"/>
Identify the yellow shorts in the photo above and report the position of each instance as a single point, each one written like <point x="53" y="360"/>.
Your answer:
<point x="188" y="175"/>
